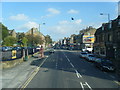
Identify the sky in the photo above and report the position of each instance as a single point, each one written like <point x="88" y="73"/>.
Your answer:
<point x="22" y="16"/>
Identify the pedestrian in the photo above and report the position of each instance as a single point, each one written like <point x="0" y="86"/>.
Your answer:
<point x="42" y="52"/>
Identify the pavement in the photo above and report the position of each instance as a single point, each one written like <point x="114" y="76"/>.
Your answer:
<point x="14" y="77"/>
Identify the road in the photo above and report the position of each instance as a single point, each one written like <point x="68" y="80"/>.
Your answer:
<point x="65" y="69"/>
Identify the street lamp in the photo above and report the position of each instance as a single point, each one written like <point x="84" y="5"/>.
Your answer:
<point x="107" y="15"/>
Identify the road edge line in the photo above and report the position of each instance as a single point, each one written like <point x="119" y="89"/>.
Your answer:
<point x="32" y="75"/>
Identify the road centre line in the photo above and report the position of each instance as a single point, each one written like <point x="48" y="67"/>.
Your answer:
<point x="71" y="65"/>
<point x="78" y="74"/>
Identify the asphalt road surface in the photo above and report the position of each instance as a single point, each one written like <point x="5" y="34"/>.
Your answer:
<point x="65" y="69"/>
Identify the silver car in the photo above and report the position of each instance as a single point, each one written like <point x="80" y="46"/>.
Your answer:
<point x="83" y="54"/>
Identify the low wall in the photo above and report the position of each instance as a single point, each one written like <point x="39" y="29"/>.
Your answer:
<point x="9" y="64"/>
<point x="13" y="63"/>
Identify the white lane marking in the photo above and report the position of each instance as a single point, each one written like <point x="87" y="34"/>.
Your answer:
<point x="82" y="85"/>
<point x="78" y="74"/>
<point x="72" y="65"/>
<point x="88" y="85"/>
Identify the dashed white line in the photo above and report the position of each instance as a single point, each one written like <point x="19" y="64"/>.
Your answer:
<point x="72" y="65"/>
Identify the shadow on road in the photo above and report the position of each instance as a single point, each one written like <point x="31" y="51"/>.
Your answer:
<point x="83" y="67"/>
<point x="38" y="60"/>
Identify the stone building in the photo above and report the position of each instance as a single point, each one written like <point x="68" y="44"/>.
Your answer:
<point x="35" y="32"/>
<point x="12" y="33"/>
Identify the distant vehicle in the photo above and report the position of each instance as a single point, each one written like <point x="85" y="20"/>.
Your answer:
<point x="83" y="54"/>
<point x="51" y="50"/>
<point x="105" y="65"/>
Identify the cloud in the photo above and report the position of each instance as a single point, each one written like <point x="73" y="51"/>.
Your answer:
<point x="27" y="26"/>
<point x="78" y="21"/>
<point x="53" y="11"/>
<point x="63" y="22"/>
<point x="72" y="11"/>
<point x="19" y="17"/>
<point x="65" y="28"/>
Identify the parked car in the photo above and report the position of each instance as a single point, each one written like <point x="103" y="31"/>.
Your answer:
<point x="4" y="49"/>
<point x="91" y="57"/>
<point x="17" y="48"/>
<point x="38" y="48"/>
<point x="104" y="65"/>
<point x="83" y="54"/>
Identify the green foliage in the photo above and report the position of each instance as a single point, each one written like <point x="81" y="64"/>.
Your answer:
<point x="4" y="31"/>
<point x="34" y="40"/>
<point x="48" y="39"/>
<point x="24" y="41"/>
<point x="20" y="36"/>
<point x="9" y="41"/>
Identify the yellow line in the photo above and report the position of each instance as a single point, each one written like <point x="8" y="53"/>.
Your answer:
<point x="32" y="75"/>
<point x="117" y="82"/>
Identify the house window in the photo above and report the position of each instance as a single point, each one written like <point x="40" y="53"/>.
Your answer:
<point x="118" y="22"/>
<point x="102" y="51"/>
<point x="109" y="37"/>
<point x="118" y="35"/>
<point x="110" y="25"/>
<point x="102" y="27"/>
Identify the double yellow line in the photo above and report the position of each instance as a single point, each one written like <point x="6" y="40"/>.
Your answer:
<point x="32" y="76"/>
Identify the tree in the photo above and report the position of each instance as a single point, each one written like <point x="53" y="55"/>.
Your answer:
<point x="34" y="40"/>
<point x="38" y="40"/>
<point x="9" y="41"/>
<point x="20" y="36"/>
<point x="48" y="39"/>
<point x="24" y="41"/>
<point x="4" y="31"/>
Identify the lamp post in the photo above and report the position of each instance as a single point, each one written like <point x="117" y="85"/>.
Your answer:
<point x="107" y="15"/>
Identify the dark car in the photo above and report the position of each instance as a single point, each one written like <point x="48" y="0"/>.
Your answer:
<point x="104" y="65"/>
<point x="4" y="49"/>
<point x="17" y="48"/>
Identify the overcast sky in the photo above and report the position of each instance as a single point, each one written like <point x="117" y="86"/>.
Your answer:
<point x="22" y="16"/>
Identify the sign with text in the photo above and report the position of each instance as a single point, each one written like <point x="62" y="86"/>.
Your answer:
<point x="88" y="38"/>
